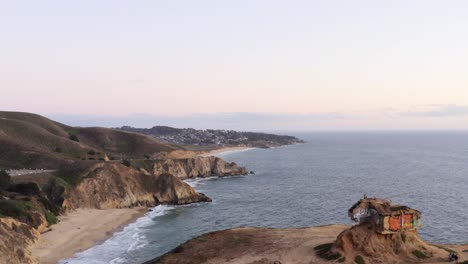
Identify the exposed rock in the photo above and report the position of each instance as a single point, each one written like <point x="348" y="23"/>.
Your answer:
<point x="114" y="185"/>
<point x="198" y="167"/>
<point x="172" y="190"/>
<point x="16" y="237"/>
<point x="402" y="247"/>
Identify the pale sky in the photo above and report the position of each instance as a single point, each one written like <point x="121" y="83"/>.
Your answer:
<point x="302" y="65"/>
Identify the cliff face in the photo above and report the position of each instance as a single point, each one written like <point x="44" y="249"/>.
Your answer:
<point x="403" y="247"/>
<point x="16" y="237"/>
<point x="198" y="167"/>
<point x="117" y="186"/>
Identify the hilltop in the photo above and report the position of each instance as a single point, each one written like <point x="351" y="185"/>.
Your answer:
<point x="212" y="138"/>
<point x="81" y="174"/>
<point x="33" y="141"/>
<point x="384" y="233"/>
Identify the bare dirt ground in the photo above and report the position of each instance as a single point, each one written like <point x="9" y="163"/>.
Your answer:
<point x="266" y="246"/>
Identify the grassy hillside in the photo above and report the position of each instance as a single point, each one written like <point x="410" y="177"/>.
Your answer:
<point x="33" y="141"/>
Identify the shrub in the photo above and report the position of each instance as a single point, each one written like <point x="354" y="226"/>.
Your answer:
<point x="419" y="254"/>
<point x="4" y="180"/>
<point x="73" y="137"/>
<point x="359" y="260"/>
<point x="126" y="163"/>
<point x="58" y="150"/>
<point x="50" y="217"/>
<point x="29" y="188"/>
<point x="71" y="174"/>
<point x="15" y="209"/>
<point x="91" y="152"/>
<point x="54" y="190"/>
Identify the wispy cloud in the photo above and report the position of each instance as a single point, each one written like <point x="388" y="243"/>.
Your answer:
<point x="384" y="118"/>
<point x="437" y="111"/>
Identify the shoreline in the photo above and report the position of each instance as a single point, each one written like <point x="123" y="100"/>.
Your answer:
<point x="291" y="245"/>
<point x="214" y="152"/>
<point x="80" y="230"/>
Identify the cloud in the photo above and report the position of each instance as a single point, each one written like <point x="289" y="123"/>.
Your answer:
<point x="437" y="111"/>
<point x="374" y="119"/>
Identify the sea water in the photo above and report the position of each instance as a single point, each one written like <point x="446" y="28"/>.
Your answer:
<point x="312" y="184"/>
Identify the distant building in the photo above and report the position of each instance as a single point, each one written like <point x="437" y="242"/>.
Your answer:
<point x="388" y="218"/>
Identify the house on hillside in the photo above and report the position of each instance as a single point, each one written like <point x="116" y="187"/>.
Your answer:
<point x="388" y="218"/>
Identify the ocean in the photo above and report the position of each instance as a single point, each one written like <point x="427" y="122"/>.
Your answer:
<point x="312" y="184"/>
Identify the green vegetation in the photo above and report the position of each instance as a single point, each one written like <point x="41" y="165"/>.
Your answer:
<point x="50" y="217"/>
<point x="403" y="237"/>
<point x="71" y="174"/>
<point x="16" y="209"/>
<point x="33" y="141"/>
<point x="324" y="251"/>
<point x="359" y="260"/>
<point x="444" y="248"/>
<point x="55" y="189"/>
<point x="73" y="137"/>
<point x="419" y="254"/>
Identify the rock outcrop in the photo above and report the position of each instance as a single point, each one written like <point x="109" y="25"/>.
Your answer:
<point x="362" y="241"/>
<point x="113" y="185"/>
<point x="198" y="167"/>
<point x="16" y="238"/>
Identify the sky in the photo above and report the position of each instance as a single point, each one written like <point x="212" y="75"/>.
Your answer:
<point x="244" y="64"/>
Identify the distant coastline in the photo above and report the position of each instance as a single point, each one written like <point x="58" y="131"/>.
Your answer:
<point x="223" y="150"/>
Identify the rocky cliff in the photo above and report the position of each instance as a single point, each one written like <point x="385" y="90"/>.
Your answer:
<point x="16" y="237"/>
<point x="113" y="185"/>
<point x="198" y="167"/>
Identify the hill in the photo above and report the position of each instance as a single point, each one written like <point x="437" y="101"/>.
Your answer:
<point x="33" y="141"/>
<point x="211" y="139"/>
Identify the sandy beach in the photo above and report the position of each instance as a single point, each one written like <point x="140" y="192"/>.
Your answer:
<point x="80" y="230"/>
<point x="222" y="150"/>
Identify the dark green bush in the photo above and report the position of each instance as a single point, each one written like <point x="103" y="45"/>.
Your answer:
<point x="4" y="179"/>
<point x="419" y="254"/>
<point x="29" y="188"/>
<point x="15" y="209"/>
<point x="54" y="190"/>
<point x="50" y="217"/>
<point x="91" y="152"/>
<point x="359" y="260"/>
<point x="126" y="163"/>
<point x="71" y="174"/>
<point x="73" y="137"/>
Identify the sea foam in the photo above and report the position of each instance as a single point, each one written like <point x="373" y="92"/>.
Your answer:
<point x="118" y="248"/>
